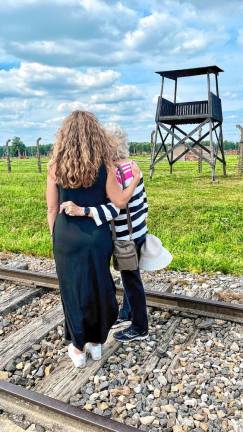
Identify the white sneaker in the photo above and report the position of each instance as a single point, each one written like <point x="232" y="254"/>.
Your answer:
<point x="95" y="350"/>
<point x="79" y="360"/>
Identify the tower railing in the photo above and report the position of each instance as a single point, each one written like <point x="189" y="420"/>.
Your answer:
<point x="191" y="108"/>
<point x="211" y="107"/>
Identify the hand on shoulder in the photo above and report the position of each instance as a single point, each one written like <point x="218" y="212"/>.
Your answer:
<point x="136" y="172"/>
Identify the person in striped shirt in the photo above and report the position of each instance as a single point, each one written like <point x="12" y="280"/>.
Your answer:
<point x="133" y="310"/>
<point x="137" y="205"/>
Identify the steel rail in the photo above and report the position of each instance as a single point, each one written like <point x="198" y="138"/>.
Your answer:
<point x="159" y="300"/>
<point x="51" y="412"/>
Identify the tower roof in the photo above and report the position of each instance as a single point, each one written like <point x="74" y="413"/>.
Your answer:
<point x="179" y="73"/>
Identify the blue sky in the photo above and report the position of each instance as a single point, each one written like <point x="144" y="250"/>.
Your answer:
<point x="97" y="55"/>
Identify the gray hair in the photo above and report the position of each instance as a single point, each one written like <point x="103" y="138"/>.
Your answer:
<point x="122" y="148"/>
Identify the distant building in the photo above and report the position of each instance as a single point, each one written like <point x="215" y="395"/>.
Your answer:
<point x="190" y="156"/>
<point x="232" y="152"/>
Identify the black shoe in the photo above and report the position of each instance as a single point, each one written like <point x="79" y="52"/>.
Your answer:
<point x="129" y="335"/>
<point x="121" y="321"/>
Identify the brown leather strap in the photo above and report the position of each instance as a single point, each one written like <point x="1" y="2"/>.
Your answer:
<point x="113" y="230"/>
<point x="129" y="220"/>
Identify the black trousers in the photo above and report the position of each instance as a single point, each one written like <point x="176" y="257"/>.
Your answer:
<point x="134" y="301"/>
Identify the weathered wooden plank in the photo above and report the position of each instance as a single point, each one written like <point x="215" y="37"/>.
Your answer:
<point x="150" y="363"/>
<point x="66" y="380"/>
<point x="173" y="363"/>
<point x="15" y="344"/>
<point x="8" y="426"/>
<point x="10" y="300"/>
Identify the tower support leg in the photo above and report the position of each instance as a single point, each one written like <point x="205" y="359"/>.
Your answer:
<point x="240" y="165"/>
<point x="212" y="156"/>
<point x="222" y="150"/>
<point x="172" y="148"/>
<point x="153" y="142"/>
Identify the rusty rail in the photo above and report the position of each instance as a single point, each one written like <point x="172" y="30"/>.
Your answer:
<point x="51" y="412"/>
<point x="198" y="306"/>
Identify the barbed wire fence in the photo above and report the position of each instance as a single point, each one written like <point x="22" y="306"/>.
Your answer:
<point x="35" y="161"/>
<point x="23" y="162"/>
<point x="240" y="162"/>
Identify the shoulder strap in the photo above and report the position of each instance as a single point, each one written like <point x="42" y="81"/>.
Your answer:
<point x="113" y="230"/>
<point x="129" y="220"/>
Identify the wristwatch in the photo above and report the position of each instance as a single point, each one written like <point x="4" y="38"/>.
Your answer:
<point x="86" y="211"/>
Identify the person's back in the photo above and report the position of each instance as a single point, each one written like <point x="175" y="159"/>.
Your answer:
<point x="68" y="231"/>
<point x="137" y="204"/>
<point x="87" y="196"/>
<point x="134" y="302"/>
<point x="80" y="174"/>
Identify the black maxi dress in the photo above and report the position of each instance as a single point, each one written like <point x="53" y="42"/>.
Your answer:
<point x="82" y="253"/>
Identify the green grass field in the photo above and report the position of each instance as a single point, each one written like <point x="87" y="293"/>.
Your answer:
<point x="199" y="222"/>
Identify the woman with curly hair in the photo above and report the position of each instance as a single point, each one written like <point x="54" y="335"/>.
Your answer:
<point x="81" y="175"/>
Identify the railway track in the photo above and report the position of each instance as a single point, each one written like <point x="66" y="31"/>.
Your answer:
<point x="187" y="304"/>
<point x="49" y="403"/>
<point x="54" y="414"/>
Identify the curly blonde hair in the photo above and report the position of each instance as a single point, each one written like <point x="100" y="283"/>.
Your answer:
<point x="81" y="146"/>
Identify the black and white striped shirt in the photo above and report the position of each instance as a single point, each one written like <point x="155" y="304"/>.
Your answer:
<point x="138" y="207"/>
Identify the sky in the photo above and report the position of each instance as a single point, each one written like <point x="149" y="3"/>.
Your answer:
<point x="100" y="55"/>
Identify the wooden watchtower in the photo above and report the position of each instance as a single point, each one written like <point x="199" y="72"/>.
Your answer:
<point x="206" y="114"/>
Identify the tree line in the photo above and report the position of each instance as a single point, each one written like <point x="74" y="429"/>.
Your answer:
<point x="17" y="148"/>
<point x="145" y="147"/>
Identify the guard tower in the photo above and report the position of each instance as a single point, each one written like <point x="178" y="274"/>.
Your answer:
<point x="171" y="138"/>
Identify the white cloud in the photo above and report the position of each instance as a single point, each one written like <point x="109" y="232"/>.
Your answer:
<point x="42" y="47"/>
<point x="149" y="29"/>
<point x="165" y="33"/>
<point x="101" y="55"/>
<point x="118" y="94"/>
<point x="230" y="95"/>
<point x="33" y="95"/>
<point x="34" y="79"/>
<point x="74" y="33"/>
<point x="192" y="41"/>
<point x="101" y="33"/>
